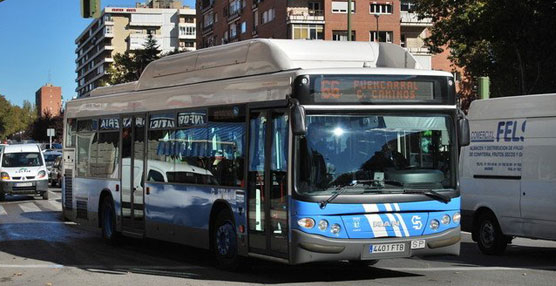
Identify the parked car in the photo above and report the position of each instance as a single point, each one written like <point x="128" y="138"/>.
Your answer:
<point x="55" y="174"/>
<point x="23" y="171"/>
<point x="50" y="158"/>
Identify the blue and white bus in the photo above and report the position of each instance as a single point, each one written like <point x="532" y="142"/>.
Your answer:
<point x="290" y="151"/>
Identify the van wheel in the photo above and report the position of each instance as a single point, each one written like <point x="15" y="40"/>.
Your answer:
<point x="490" y="239"/>
<point x="45" y="195"/>
<point x="225" y="242"/>
<point x="2" y="196"/>
<point x="108" y="221"/>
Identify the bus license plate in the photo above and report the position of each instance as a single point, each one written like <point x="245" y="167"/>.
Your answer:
<point x="387" y="248"/>
<point x="24" y="184"/>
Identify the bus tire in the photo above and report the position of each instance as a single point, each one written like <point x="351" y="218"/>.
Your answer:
<point x="108" y="221"/>
<point x="490" y="239"/>
<point x="225" y="242"/>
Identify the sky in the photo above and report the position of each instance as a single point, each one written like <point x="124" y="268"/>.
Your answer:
<point x="37" y="45"/>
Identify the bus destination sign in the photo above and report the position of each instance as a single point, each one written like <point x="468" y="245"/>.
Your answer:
<point x="345" y="89"/>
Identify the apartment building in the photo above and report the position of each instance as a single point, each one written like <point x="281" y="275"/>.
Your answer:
<point x="223" y="21"/>
<point x="126" y="29"/>
<point x="48" y="100"/>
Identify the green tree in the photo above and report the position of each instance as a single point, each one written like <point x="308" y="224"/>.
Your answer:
<point x="128" y="66"/>
<point x="510" y="41"/>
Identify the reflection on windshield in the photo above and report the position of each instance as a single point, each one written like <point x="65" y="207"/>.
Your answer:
<point x="11" y="160"/>
<point x="379" y="150"/>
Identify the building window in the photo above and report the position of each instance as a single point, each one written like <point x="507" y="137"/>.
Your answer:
<point x="341" y="7"/>
<point x="407" y="6"/>
<point x="269" y="15"/>
<point x="208" y="20"/>
<point x="243" y="27"/>
<point x="235" y="7"/>
<point x="342" y="35"/>
<point x="255" y="19"/>
<point x="233" y="31"/>
<point x="380" y="8"/>
<point x="308" y="32"/>
<point x="383" y="36"/>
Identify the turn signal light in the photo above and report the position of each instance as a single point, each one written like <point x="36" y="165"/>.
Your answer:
<point x="5" y="176"/>
<point x="306" y="222"/>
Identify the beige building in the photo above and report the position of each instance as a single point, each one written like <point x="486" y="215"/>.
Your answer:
<point x="126" y="29"/>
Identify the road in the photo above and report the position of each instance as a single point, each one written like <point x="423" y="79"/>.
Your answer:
<point x="38" y="248"/>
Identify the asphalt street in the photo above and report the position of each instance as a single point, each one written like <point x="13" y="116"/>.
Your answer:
<point x="37" y="247"/>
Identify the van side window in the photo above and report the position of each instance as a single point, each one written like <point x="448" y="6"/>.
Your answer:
<point x="155" y="176"/>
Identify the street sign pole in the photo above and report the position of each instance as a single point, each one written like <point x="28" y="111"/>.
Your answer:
<point x="50" y="133"/>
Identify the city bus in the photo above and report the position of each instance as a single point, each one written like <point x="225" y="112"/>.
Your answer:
<point x="284" y="150"/>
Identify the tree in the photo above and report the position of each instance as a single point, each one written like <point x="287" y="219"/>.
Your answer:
<point x="14" y="118"/>
<point x="41" y="124"/>
<point x="128" y="66"/>
<point x="510" y="41"/>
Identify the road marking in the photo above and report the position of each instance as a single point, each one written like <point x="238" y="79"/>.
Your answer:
<point x="29" y="207"/>
<point x="56" y="205"/>
<point x="3" y="211"/>
<point x="470" y="268"/>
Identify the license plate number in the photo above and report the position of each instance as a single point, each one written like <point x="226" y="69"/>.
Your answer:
<point x="387" y="248"/>
<point x="23" y="184"/>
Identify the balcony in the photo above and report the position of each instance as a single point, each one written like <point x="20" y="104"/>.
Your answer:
<point x="305" y="16"/>
<point x="411" y="19"/>
<point x="137" y="41"/>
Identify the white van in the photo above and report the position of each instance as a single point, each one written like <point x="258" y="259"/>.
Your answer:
<point x="23" y="171"/>
<point x="508" y="173"/>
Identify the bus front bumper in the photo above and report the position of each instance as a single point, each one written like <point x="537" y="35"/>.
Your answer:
<point x="311" y="248"/>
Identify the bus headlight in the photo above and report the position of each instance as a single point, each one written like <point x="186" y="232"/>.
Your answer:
<point x="456" y="217"/>
<point x="445" y="219"/>
<point x="434" y="224"/>
<point x="41" y="174"/>
<point x="5" y="176"/>
<point x="335" y="228"/>
<point x="306" y="222"/>
<point x="323" y="224"/>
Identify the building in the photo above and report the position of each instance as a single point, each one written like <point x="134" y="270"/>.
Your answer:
<point x="223" y="21"/>
<point x="48" y="100"/>
<point x="118" y="30"/>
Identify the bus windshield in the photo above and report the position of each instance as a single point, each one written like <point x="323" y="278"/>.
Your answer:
<point x="375" y="152"/>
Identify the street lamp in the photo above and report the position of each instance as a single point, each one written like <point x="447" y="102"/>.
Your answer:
<point x="376" y="16"/>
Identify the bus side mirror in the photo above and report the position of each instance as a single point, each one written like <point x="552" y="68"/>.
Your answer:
<point x="298" y="119"/>
<point x="463" y="131"/>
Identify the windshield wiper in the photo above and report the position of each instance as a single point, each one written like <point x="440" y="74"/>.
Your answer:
<point x="430" y="193"/>
<point x="339" y="190"/>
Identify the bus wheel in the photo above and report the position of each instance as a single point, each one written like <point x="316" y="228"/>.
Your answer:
<point x="491" y="240"/>
<point x="108" y="221"/>
<point x="225" y="242"/>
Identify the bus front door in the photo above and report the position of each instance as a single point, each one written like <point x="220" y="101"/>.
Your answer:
<point x="268" y="183"/>
<point x="133" y="157"/>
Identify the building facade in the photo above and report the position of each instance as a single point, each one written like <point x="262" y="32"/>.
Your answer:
<point x="126" y="29"/>
<point x="223" y="21"/>
<point x="48" y="100"/>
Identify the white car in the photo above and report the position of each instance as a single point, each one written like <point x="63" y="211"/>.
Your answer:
<point x="23" y="171"/>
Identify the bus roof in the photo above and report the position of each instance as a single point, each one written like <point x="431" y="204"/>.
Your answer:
<point x="536" y="105"/>
<point x="262" y="56"/>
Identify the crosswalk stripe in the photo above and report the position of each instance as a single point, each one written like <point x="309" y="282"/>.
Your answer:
<point x="56" y="205"/>
<point x="3" y="211"/>
<point x="29" y="207"/>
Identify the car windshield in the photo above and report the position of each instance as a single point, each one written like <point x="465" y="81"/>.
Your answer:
<point x="49" y="158"/>
<point x="22" y="160"/>
<point x="375" y="152"/>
